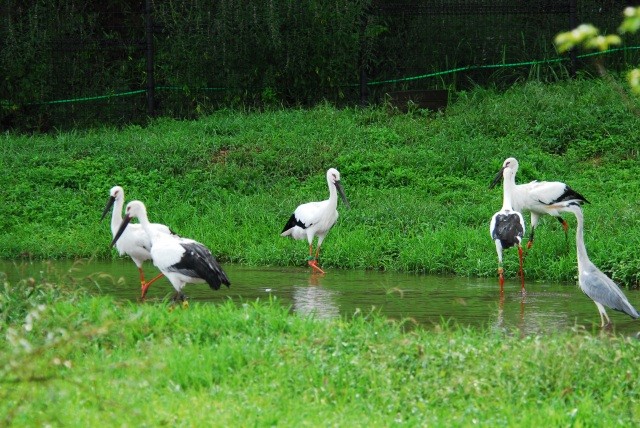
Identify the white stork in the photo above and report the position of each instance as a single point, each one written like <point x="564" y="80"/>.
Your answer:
<point x="316" y="218"/>
<point x="507" y="230"/>
<point x="538" y="197"/>
<point x="181" y="260"/>
<point x="134" y="241"/>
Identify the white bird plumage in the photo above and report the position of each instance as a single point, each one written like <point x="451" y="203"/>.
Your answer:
<point x="181" y="260"/>
<point x="593" y="282"/>
<point x="134" y="241"/>
<point x="538" y="197"/>
<point x="316" y="218"/>
<point x="507" y="230"/>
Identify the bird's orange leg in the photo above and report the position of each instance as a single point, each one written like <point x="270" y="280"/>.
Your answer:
<point x="141" y="277"/>
<point x="565" y="226"/>
<point x="313" y="262"/>
<point x="521" y="272"/>
<point x="145" y="286"/>
<point x="501" y="278"/>
<point x="530" y="242"/>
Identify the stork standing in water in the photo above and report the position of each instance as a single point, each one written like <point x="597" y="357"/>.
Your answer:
<point x="507" y="230"/>
<point x="593" y="282"/>
<point x="181" y="260"/>
<point x="538" y="197"/>
<point x="134" y="241"/>
<point x="316" y="218"/>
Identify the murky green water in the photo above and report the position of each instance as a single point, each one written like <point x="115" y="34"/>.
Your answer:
<point x="424" y="300"/>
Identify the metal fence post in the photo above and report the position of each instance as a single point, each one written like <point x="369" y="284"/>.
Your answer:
<point x="151" y="111"/>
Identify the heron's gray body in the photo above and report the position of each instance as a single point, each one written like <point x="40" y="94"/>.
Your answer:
<point x="593" y="282"/>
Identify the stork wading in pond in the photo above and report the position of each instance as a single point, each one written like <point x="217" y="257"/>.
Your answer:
<point x="316" y="218"/>
<point x="593" y="282"/>
<point x="538" y="197"/>
<point x="181" y="260"/>
<point x="507" y="230"/>
<point x="134" y="241"/>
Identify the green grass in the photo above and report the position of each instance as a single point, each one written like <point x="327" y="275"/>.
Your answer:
<point x="417" y="183"/>
<point x="69" y="359"/>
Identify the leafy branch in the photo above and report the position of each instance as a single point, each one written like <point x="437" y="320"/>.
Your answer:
<point x="588" y="36"/>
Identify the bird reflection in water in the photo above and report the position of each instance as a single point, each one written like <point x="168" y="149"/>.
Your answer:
<point x="500" y="323"/>
<point x="315" y="300"/>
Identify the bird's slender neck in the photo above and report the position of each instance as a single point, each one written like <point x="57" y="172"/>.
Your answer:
<point x="509" y="186"/>
<point x="507" y="203"/>
<point x="333" y="194"/>
<point x="116" y="215"/>
<point x="146" y="225"/>
<point x="581" y="249"/>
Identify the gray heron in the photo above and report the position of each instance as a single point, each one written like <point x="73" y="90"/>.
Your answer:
<point x="593" y="282"/>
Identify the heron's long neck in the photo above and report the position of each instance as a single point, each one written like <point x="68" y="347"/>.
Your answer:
<point x="580" y="247"/>
<point x="116" y="216"/>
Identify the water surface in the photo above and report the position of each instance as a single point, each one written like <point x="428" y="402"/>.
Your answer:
<point x="417" y="299"/>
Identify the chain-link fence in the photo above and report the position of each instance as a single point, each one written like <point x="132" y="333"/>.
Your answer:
<point x="68" y="63"/>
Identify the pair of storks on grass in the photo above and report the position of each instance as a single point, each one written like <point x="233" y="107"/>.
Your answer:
<point x="507" y="229"/>
<point x="184" y="260"/>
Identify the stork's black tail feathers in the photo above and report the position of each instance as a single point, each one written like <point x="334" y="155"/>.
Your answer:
<point x="221" y="278"/>
<point x="199" y="259"/>
<point x="293" y="222"/>
<point x="571" y="195"/>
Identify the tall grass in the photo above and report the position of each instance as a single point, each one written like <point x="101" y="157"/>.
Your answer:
<point x="417" y="182"/>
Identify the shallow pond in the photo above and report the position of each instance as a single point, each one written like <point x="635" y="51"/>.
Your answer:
<point x="420" y="299"/>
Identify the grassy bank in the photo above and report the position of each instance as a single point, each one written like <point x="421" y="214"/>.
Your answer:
<point x="417" y="182"/>
<point x="74" y="360"/>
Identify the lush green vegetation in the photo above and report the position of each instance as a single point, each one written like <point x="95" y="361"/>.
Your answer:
<point x="266" y="53"/>
<point x="69" y="359"/>
<point x="417" y="182"/>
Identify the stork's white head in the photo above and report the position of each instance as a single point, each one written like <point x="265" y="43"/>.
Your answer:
<point x="134" y="209"/>
<point x="511" y="163"/>
<point x="117" y="193"/>
<point x="333" y="175"/>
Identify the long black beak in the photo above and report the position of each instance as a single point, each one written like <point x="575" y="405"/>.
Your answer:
<point x="110" y="202"/>
<point x="341" y="192"/>
<point x="497" y="179"/>
<point x="123" y="226"/>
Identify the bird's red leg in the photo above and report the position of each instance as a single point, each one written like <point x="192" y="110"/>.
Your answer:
<point x="501" y="278"/>
<point x="565" y="226"/>
<point x="145" y="286"/>
<point x="141" y="277"/>
<point x="530" y="242"/>
<point x="520" y="256"/>
<point x="313" y="262"/>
